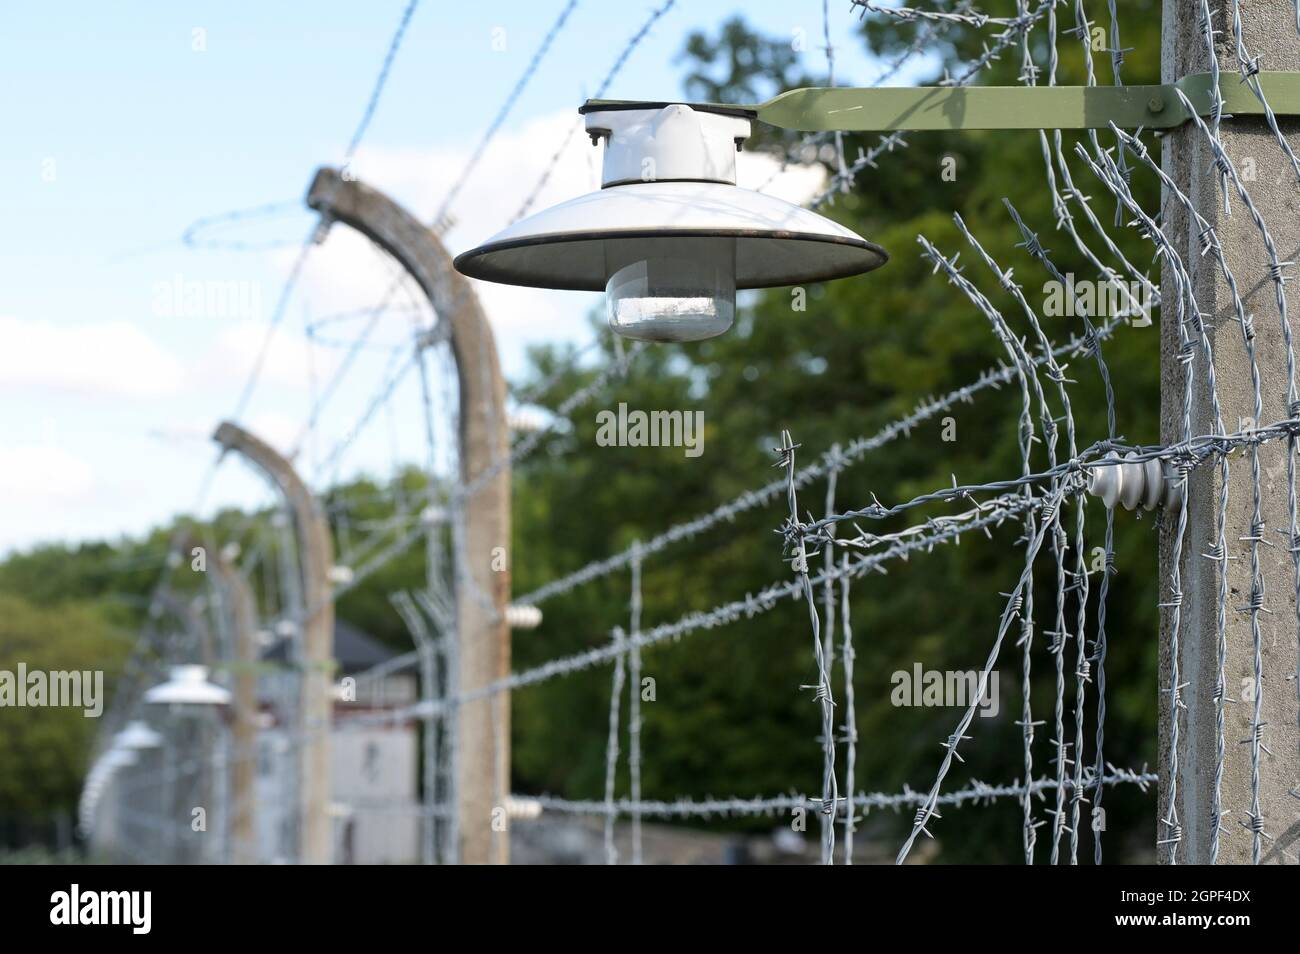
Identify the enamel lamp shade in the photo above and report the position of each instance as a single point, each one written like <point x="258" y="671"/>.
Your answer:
<point x="670" y="237"/>
<point x="114" y="760"/>
<point x="137" y="736"/>
<point x="188" y="686"/>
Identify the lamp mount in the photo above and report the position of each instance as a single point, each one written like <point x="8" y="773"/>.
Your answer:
<point x="890" y="109"/>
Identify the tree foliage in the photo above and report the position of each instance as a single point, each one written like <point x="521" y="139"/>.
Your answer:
<point x="43" y="749"/>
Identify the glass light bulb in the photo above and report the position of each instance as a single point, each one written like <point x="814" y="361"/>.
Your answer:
<point x="663" y="289"/>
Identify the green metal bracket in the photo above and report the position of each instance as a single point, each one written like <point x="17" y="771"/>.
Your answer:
<point x="886" y="109"/>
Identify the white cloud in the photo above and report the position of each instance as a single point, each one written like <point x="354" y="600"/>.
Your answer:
<point x="505" y="175"/>
<point x="107" y="358"/>
<point x="795" y="183"/>
<point x="40" y="476"/>
<point x="232" y="354"/>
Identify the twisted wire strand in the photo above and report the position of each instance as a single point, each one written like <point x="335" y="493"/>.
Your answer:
<point x="1015" y="351"/>
<point x="850" y="453"/>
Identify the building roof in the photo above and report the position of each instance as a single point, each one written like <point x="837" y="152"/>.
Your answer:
<point x="354" y="649"/>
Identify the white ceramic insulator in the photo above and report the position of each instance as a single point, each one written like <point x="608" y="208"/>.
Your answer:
<point x="1153" y="476"/>
<point x="1105" y="482"/>
<point x="523" y="807"/>
<point x="525" y="422"/>
<point x="668" y="143"/>
<point x="523" y="617"/>
<point x="1132" y="483"/>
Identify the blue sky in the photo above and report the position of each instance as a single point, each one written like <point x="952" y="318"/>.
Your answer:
<point x="124" y="123"/>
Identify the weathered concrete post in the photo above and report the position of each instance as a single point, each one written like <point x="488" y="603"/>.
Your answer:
<point x="482" y="769"/>
<point x="1270" y="34"/>
<point x="316" y="557"/>
<point x="240" y="611"/>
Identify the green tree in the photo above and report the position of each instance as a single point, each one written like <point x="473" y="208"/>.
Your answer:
<point x="43" y="750"/>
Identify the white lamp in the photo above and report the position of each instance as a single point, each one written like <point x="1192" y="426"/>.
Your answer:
<point x="111" y="761"/>
<point x="137" y="736"/>
<point x="670" y="237"/>
<point x="188" y="686"/>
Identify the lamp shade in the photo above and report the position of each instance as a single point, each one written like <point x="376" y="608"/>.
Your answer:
<point x="113" y="760"/>
<point x="188" y="686"/>
<point x="137" y="736"/>
<point x="574" y="244"/>
<point x="670" y="237"/>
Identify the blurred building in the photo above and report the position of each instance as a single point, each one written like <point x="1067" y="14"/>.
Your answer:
<point x="374" y="769"/>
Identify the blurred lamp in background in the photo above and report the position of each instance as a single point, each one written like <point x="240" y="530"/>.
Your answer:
<point x="136" y="737"/>
<point x="188" y="686"/>
<point x="115" y="759"/>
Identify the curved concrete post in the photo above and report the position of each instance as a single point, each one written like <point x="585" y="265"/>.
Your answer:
<point x="240" y="611"/>
<point x="482" y="769"/>
<point x="316" y="557"/>
<point x="237" y="609"/>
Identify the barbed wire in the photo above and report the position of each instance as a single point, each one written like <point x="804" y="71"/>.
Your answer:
<point x="614" y="70"/>
<point x="1016" y="27"/>
<point x="822" y="692"/>
<point x="852" y="452"/>
<point x="235" y="217"/>
<point x="898" y="545"/>
<point x="976" y="792"/>
<point x="1025" y="372"/>
<point x="504" y="111"/>
<point x="190" y="236"/>
<point x="381" y="81"/>
<point x="967" y="16"/>
<point x="1013" y="607"/>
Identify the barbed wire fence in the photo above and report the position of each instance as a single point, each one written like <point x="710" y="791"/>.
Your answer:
<point x="1056" y="477"/>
